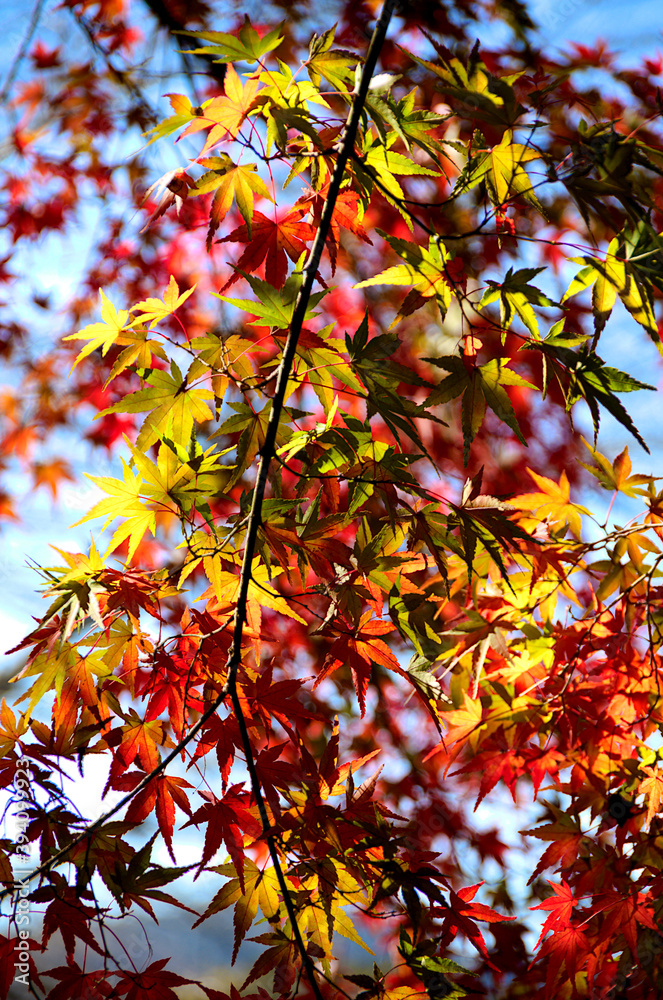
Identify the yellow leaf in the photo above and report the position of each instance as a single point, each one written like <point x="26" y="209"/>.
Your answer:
<point x="152" y="311"/>
<point x="552" y="503"/>
<point x="124" y="500"/>
<point x="103" y="334"/>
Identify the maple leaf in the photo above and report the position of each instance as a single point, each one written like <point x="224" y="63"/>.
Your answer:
<point x="652" y="788"/>
<point x="611" y="277"/>
<point x="480" y="386"/>
<point x="230" y="181"/>
<point x="360" y="649"/>
<point x="552" y="503"/>
<point x="624" y="912"/>
<point x="153" y="984"/>
<point x="160" y="796"/>
<point x="260" y="889"/>
<point x="462" y="914"/>
<point x="271" y="241"/>
<point x="502" y="169"/>
<point x="516" y="297"/>
<point x="184" y="113"/>
<point x="565" y="948"/>
<point x="247" y="46"/>
<point x="566" y="835"/>
<point x="425" y="271"/>
<point x="229" y="820"/>
<point x="51" y="474"/>
<point x="75" y="983"/>
<point x="125" y="499"/>
<point x="101" y="335"/>
<point x="348" y="213"/>
<point x="333" y="64"/>
<point x="137" y="739"/>
<point x="67" y="914"/>
<point x="224" y="115"/>
<point x="616" y="476"/>
<point x="172" y="188"/>
<point x="560" y="905"/>
<point x="281" y="956"/>
<point x="152" y="311"/>
<point x="464" y="724"/>
<point x="8" y="962"/>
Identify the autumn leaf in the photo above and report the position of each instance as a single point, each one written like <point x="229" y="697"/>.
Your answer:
<point x="502" y="169"/>
<point x="153" y="984"/>
<point x="174" y="406"/>
<point x="101" y="335"/>
<point x="360" y="649"/>
<point x="229" y="819"/>
<point x="224" y="116"/>
<point x="425" y="272"/>
<point x="152" y="311"/>
<point x="552" y="504"/>
<point x="616" y="475"/>
<point x="652" y="788"/>
<point x="272" y="242"/>
<point x="125" y="499"/>
<point x="74" y="982"/>
<point x="246" y="46"/>
<point x="230" y="182"/>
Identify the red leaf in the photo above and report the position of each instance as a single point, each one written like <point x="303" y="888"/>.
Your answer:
<point x="153" y="984"/>
<point x="272" y="241"/>
<point x="228" y="820"/>
<point x="76" y="984"/>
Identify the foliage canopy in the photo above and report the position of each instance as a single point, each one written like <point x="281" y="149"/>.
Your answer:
<point x="346" y="584"/>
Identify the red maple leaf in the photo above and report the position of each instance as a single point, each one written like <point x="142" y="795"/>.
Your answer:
<point x="162" y="794"/>
<point x="271" y="241"/>
<point x="75" y="983"/>
<point x="560" y="905"/>
<point x="8" y="959"/>
<point x="66" y="914"/>
<point x="228" y="820"/>
<point x="152" y="984"/>
<point x="346" y="214"/>
<point x="567" y="948"/>
<point x="360" y="650"/>
<point x="462" y="914"/>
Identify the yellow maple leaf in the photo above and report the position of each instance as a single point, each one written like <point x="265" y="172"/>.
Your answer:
<point x="103" y="334"/>
<point x="224" y="115"/>
<point x="552" y="504"/>
<point x="152" y="311"/>
<point x="652" y="787"/>
<point x="124" y="500"/>
<point x="502" y="169"/>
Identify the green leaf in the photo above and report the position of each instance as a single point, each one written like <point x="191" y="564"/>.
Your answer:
<point x="274" y="306"/>
<point x="516" y="297"/>
<point x="502" y="169"/>
<point x="169" y="397"/>
<point x="335" y="65"/>
<point x="424" y="271"/>
<point x="246" y="46"/>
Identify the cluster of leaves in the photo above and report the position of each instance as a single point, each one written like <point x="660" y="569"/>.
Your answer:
<point x="324" y="552"/>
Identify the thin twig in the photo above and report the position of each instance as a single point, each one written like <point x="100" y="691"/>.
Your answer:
<point x="268" y="453"/>
<point x="20" y="55"/>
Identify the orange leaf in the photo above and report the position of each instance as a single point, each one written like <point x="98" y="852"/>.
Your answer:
<point x="225" y="115"/>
